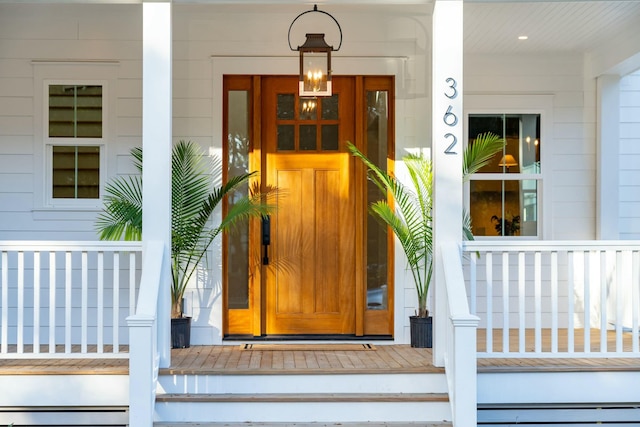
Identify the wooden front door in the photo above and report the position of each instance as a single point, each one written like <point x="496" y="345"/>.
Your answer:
<point x="311" y="287"/>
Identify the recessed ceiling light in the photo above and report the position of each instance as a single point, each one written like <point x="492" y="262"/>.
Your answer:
<point x="523" y="37"/>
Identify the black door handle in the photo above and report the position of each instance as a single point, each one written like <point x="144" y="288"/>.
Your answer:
<point x="266" y="238"/>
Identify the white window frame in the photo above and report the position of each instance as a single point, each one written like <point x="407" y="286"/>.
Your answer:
<point x="518" y="104"/>
<point x="71" y="73"/>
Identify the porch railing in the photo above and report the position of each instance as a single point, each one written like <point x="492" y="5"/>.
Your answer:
<point x="460" y="352"/>
<point x="555" y="298"/>
<point x="67" y="299"/>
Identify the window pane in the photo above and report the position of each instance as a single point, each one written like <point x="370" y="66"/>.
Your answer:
<point x="377" y="246"/>
<point x="286" y="106"/>
<point x="522" y="141"/>
<point x="329" y="137"/>
<point x="308" y="138"/>
<point x="76" y="172"/>
<point x="286" y="138"/>
<point x="330" y="108"/>
<point x="75" y="111"/>
<point x="308" y="109"/>
<point x="504" y="208"/>
<point x="238" y="164"/>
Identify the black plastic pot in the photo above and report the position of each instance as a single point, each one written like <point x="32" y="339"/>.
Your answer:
<point x="181" y="332"/>
<point x="421" y="331"/>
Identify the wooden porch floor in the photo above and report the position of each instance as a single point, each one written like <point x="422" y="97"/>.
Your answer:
<point x="232" y="359"/>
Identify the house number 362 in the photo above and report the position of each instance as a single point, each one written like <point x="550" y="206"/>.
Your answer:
<point x="450" y="119"/>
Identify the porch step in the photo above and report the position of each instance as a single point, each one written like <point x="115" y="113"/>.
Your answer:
<point x="303" y="399"/>
<point x="306" y="397"/>
<point x="303" y="407"/>
<point x="303" y="424"/>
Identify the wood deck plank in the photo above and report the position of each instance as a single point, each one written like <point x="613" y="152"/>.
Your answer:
<point x="229" y="359"/>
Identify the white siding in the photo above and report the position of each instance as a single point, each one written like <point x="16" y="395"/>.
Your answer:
<point x="630" y="156"/>
<point x="75" y="33"/>
<point x="569" y="170"/>
<point x="31" y="32"/>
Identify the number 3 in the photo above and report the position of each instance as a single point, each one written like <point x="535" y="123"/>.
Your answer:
<point x="452" y="86"/>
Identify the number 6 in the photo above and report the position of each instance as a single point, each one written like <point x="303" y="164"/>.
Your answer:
<point x="450" y="119"/>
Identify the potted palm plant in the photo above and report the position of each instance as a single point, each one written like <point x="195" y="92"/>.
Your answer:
<point x="409" y="216"/>
<point x="193" y="200"/>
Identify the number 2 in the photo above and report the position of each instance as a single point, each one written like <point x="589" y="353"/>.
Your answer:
<point x="452" y="145"/>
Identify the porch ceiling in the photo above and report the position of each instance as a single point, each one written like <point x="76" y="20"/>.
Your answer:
<point x="607" y="30"/>
<point x="552" y="26"/>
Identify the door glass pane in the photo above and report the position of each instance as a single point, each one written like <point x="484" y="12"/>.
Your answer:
<point x="330" y="107"/>
<point x="308" y="109"/>
<point x="286" y="138"/>
<point x="286" y="106"/>
<point x="377" y="239"/>
<point x="308" y="138"/>
<point x="238" y="164"/>
<point x="329" y="137"/>
<point x="504" y="207"/>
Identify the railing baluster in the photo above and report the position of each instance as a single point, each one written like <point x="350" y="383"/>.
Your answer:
<point x="554" y="301"/>
<point x="20" y="331"/>
<point x="603" y="301"/>
<point x="100" y="313"/>
<point x="36" y="302"/>
<point x="570" y="296"/>
<point x="132" y="283"/>
<point x="538" y="299"/>
<point x="67" y="309"/>
<point x="52" y="302"/>
<point x="489" y="274"/>
<point x="620" y="294"/>
<point x="522" y="294"/>
<point x="5" y="303"/>
<point x="116" y="301"/>
<point x="84" y="303"/>
<point x="505" y="302"/>
<point x="586" y="332"/>
<point x="635" y="301"/>
<point x="473" y="283"/>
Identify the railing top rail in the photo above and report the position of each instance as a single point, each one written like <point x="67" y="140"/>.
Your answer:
<point x="549" y="245"/>
<point x="57" y="245"/>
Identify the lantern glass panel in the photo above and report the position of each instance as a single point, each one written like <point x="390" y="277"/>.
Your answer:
<point x="314" y="72"/>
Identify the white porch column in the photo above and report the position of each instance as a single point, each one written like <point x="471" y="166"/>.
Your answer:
<point x="447" y="144"/>
<point x="156" y="145"/>
<point x="607" y="157"/>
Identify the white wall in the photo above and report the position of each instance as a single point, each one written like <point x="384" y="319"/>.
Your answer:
<point x="630" y="156"/>
<point x="395" y="36"/>
<point x="394" y="40"/>
<point x="69" y="33"/>
<point x="569" y="162"/>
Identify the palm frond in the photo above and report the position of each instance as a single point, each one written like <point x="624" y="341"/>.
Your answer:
<point x="479" y="153"/>
<point x="193" y="202"/>
<point x="122" y="213"/>
<point x="410" y="218"/>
